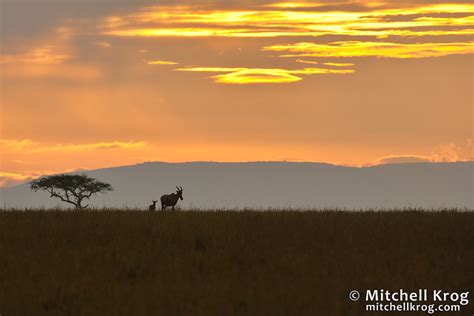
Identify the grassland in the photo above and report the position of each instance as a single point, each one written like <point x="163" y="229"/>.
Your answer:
<point x="225" y="263"/>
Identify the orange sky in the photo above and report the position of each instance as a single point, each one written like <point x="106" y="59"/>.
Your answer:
<point x="99" y="84"/>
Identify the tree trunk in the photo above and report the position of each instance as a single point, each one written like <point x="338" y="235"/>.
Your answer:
<point x="78" y="204"/>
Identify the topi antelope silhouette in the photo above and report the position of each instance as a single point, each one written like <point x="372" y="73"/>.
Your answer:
<point x="152" y="207"/>
<point x="171" y="199"/>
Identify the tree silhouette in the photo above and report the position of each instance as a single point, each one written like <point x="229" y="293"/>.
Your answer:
<point x="72" y="189"/>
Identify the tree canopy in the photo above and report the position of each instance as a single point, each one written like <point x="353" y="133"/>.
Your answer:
<point x="69" y="188"/>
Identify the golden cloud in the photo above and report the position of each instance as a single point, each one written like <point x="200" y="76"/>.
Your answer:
<point x="443" y="153"/>
<point x="395" y="159"/>
<point x="48" y="61"/>
<point x="15" y="143"/>
<point x="262" y="75"/>
<point x="24" y="159"/>
<point x="96" y="146"/>
<point x="13" y="176"/>
<point x="372" y="49"/>
<point x="45" y="55"/>
<point x="339" y="64"/>
<point x="161" y="62"/>
<point x="254" y="76"/>
<point x="306" y="61"/>
<point x="102" y="44"/>
<point x="30" y="146"/>
<point x="10" y="178"/>
<point x="287" y="5"/>
<point x="64" y="71"/>
<point x="295" y="19"/>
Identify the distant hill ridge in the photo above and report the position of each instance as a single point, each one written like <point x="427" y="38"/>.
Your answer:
<point x="275" y="185"/>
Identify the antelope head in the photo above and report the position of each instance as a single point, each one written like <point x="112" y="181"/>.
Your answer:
<point x="179" y="192"/>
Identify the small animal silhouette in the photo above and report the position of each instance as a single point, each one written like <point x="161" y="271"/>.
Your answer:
<point x="171" y="199"/>
<point x="152" y="207"/>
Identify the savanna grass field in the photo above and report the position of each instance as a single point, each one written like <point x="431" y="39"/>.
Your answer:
<point x="130" y="262"/>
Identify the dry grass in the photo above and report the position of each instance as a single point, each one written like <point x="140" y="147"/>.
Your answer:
<point x="225" y="263"/>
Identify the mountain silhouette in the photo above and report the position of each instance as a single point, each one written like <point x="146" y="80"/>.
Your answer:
<point x="274" y="185"/>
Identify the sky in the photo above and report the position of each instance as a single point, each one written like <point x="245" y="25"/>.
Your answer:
<point x="92" y="84"/>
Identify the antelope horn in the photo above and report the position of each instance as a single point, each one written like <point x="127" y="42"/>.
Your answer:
<point x="181" y="188"/>
<point x="177" y="188"/>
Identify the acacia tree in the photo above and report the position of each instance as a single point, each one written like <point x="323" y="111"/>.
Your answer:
<point x="72" y="189"/>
